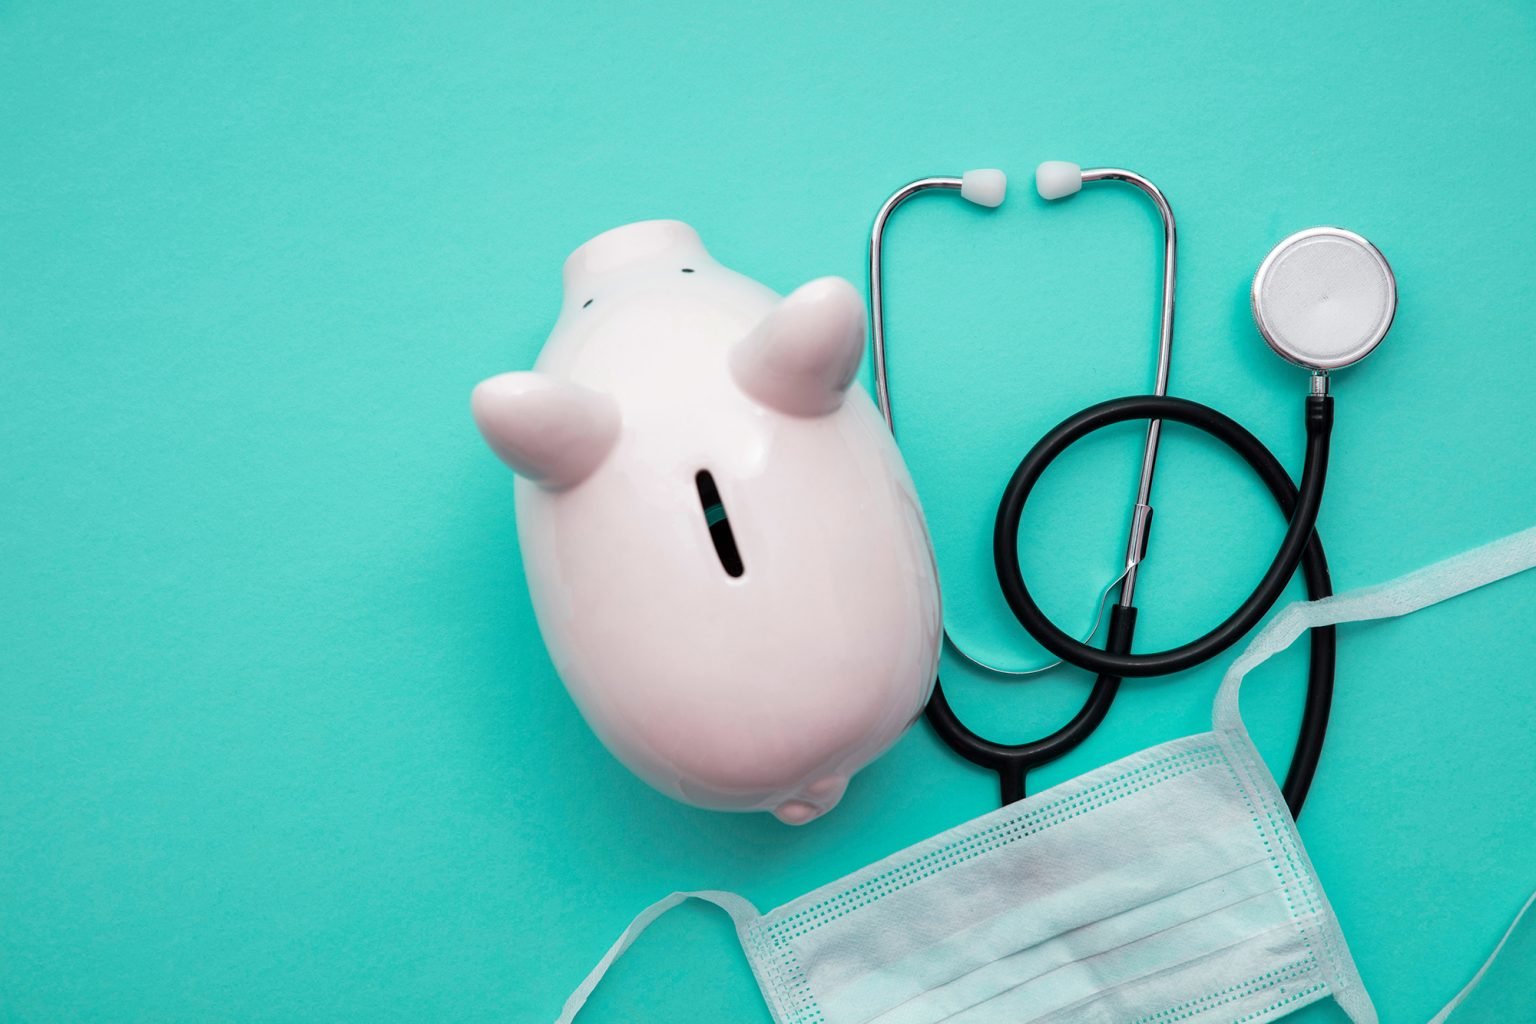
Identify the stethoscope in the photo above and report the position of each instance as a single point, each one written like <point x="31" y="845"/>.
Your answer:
<point x="1322" y="299"/>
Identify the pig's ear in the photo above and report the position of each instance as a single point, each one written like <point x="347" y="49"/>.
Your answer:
<point x="551" y="431"/>
<point x="801" y="358"/>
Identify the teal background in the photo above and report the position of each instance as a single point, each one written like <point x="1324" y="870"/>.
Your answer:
<point x="278" y="738"/>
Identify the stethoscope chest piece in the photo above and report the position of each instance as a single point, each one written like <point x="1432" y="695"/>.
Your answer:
<point x="1324" y="298"/>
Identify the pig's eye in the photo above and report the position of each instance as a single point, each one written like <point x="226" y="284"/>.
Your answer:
<point x="584" y="305"/>
<point x="719" y="524"/>
<point x="687" y="270"/>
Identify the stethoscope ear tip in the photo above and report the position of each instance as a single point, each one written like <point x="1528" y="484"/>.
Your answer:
<point x="1057" y="179"/>
<point x="986" y="186"/>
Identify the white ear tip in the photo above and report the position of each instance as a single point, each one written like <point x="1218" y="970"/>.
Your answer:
<point x="1057" y="179"/>
<point x="984" y="187"/>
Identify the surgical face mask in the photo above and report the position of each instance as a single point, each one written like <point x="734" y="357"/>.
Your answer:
<point x="1170" y="887"/>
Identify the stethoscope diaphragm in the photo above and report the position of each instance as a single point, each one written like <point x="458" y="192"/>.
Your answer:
<point x="1324" y="298"/>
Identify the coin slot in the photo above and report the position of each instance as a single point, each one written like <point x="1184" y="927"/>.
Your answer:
<point x="719" y="524"/>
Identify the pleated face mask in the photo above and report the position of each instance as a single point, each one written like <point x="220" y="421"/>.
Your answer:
<point x="1170" y="887"/>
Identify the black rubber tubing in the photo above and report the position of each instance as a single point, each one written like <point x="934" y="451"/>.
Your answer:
<point x="1005" y="542"/>
<point x="1012" y="761"/>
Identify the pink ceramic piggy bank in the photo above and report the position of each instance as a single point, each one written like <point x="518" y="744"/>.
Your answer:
<point x="725" y="552"/>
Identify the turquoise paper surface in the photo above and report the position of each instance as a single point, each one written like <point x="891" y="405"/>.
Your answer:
<point x="278" y="737"/>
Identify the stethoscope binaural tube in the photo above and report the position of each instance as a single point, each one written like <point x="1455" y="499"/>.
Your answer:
<point x="1011" y="761"/>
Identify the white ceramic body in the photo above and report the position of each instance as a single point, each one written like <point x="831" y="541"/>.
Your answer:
<point x="765" y="691"/>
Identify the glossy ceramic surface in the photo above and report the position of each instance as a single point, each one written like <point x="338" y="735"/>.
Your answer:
<point x="745" y="640"/>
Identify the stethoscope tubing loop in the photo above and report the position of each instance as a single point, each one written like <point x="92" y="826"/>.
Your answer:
<point x="1074" y="428"/>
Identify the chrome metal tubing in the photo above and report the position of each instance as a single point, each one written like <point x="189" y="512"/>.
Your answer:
<point x="1141" y="512"/>
<point x="876" y="272"/>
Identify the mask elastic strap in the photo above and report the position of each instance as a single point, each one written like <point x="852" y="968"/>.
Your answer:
<point x="1402" y="596"/>
<point x="1419" y="589"/>
<point x="742" y="913"/>
<point x="1461" y="996"/>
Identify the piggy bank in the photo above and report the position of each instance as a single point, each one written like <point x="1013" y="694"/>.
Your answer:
<point x="724" y="549"/>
